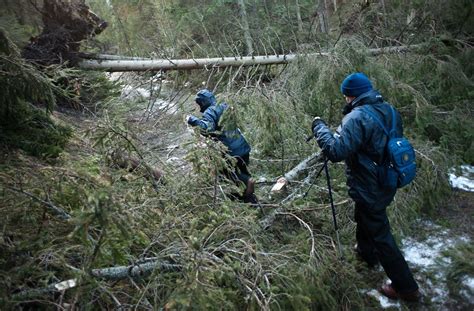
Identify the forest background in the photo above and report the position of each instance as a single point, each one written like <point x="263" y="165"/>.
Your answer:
<point x="100" y="171"/>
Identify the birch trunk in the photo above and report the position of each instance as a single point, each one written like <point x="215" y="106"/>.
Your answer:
<point x="201" y="63"/>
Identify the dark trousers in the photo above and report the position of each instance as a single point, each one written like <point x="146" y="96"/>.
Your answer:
<point x="242" y="172"/>
<point x="238" y="172"/>
<point x="375" y="243"/>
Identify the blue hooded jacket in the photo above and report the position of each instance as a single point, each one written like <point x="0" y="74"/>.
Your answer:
<point x="361" y="142"/>
<point x="212" y="112"/>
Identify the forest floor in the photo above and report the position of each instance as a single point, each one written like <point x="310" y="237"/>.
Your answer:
<point x="427" y="250"/>
<point x="164" y="140"/>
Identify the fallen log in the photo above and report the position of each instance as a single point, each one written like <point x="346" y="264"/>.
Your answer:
<point x="134" y="271"/>
<point x="50" y="289"/>
<point x="184" y="64"/>
<point x="201" y="63"/>
<point x="133" y="164"/>
<point x="296" y="171"/>
<point x="112" y="57"/>
<point x="137" y="271"/>
<point x="282" y="182"/>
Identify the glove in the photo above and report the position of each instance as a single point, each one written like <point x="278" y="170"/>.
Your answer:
<point x="191" y="120"/>
<point x="317" y="121"/>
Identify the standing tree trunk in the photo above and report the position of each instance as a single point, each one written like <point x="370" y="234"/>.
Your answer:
<point x="298" y="16"/>
<point x="245" y="26"/>
<point x="323" y="16"/>
<point x="384" y="10"/>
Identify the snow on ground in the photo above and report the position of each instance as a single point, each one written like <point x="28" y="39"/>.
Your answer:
<point x="466" y="179"/>
<point x="426" y="257"/>
<point x="384" y="301"/>
<point x="468" y="288"/>
<point x="429" y="264"/>
<point x="145" y="92"/>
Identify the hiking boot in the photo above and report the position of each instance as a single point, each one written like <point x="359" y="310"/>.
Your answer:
<point x="252" y="199"/>
<point x="388" y="291"/>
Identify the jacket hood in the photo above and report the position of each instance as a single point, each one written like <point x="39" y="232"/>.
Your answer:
<point x="205" y="99"/>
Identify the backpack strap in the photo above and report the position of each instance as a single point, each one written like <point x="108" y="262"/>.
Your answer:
<point x="393" y="132"/>
<point x="376" y="118"/>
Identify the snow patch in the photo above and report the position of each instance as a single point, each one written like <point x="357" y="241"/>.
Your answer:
<point x="468" y="291"/>
<point x="130" y="92"/>
<point x="176" y="161"/>
<point x="465" y="181"/>
<point x="384" y="301"/>
<point x="468" y="282"/>
<point x="139" y="93"/>
<point x="427" y="255"/>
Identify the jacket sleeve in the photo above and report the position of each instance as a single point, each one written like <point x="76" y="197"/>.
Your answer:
<point x="209" y="120"/>
<point x="342" y="144"/>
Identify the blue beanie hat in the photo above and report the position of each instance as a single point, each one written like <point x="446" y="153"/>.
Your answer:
<point x="355" y="84"/>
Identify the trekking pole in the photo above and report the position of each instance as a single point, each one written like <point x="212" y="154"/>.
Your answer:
<point x="316" y="177"/>
<point x="326" y="170"/>
<point x="328" y="179"/>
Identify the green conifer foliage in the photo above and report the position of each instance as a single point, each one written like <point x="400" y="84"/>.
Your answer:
<point x="23" y="88"/>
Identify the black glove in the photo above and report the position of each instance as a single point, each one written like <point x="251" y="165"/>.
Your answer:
<point x="316" y="121"/>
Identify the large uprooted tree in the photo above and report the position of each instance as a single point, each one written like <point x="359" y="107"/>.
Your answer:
<point x="66" y="24"/>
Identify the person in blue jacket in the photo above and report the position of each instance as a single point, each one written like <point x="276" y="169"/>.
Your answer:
<point x="233" y="139"/>
<point x="361" y="143"/>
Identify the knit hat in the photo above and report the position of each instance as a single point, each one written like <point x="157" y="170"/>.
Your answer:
<point x="355" y="84"/>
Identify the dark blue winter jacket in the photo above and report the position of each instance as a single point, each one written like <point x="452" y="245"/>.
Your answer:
<point x="361" y="142"/>
<point x="232" y="139"/>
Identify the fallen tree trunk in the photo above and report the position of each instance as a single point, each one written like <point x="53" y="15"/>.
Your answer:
<point x="114" y="65"/>
<point x="112" y="57"/>
<point x="51" y="289"/>
<point x="135" y="271"/>
<point x="133" y="164"/>
<point x="296" y="171"/>
<point x="283" y="181"/>
<point x="184" y="64"/>
<point x="302" y="166"/>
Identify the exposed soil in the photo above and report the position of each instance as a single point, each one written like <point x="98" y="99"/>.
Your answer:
<point x="458" y="212"/>
<point x="66" y="24"/>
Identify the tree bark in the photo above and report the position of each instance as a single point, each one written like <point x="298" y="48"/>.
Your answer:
<point x="134" y="164"/>
<point x="134" y="271"/>
<point x="137" y="271"/>
<point x="201" y="63"/>
<point x="323" y="16"/>
<point x="245" y="26"/>
<point x="289" y="176"/>
<point x="298" y="16"/>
